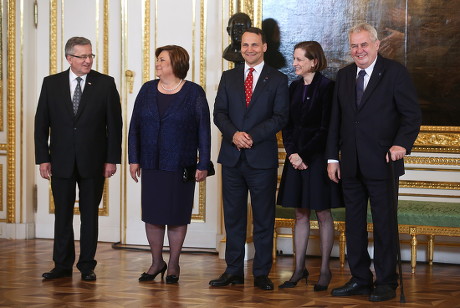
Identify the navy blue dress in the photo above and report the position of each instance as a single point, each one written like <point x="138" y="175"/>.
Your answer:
<point x="166" y="132"/>
<point x="306" y="134"/>
<point x="166" y="199"/>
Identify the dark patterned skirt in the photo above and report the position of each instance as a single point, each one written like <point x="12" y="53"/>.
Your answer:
<point x="166" y="199"/>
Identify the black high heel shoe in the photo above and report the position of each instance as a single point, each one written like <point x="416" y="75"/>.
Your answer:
<point x="292" y="284"/>
<point x="318" y="287"/>
<point x="150" y="277"/>
<point x="170" y="279"/>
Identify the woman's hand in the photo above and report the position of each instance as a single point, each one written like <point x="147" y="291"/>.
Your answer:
<point x="200" y="175"/>
<point x="135" y="171"/>
<point x="296" y="162"/>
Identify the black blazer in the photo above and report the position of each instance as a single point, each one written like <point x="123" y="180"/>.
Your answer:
<point x="389" y="114"/>
<point x="87" y="140"/>
<point x="266" y="114"/>
<point x="306" y="132"/>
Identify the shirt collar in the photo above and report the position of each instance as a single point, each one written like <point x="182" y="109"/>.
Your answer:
<point x="257" y="68"/>
<point x="369" y="69"/>
<point x="72" y="76"/>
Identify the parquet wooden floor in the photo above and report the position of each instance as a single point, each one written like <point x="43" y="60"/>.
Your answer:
<point x="23" y="261"/>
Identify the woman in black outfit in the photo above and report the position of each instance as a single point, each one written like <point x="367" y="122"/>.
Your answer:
<point x="305" y="185"/>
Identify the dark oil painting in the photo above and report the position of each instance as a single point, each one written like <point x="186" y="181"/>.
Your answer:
<point x="423" y="35"/>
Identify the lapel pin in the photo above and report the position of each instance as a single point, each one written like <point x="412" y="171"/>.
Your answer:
<point x="89" y="83"/>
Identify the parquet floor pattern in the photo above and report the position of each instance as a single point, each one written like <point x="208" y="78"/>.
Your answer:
<point x="23" y="261"/>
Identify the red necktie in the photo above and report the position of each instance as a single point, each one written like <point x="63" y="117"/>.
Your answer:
<point x="248" y="86"/>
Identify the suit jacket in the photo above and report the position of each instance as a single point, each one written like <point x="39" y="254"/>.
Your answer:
<point x="266" y="114"/>
<point x="389" y="114"/>
<point x="306" y="132"/>
<point x="170" y="142"/>
<point x="86" y="140"/>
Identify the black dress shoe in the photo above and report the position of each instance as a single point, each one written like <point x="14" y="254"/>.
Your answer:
<point x="170" y="279"/>
<point x="150" y="277"/>
<point x="351" y="288"/>
<point x="88" y="276"/>
<point x="263" y="282"/>
<point x="57" y="273"/>
<point x="382" y="293"/>
<point x="225" y="279"/>
<point x="292" y="284"/>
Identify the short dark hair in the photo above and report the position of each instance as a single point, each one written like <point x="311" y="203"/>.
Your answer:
<point x="74" y="41"/>
<point x="256" y="31"/>
<point x="313" y="50"/>
<point x="179" y="59"/>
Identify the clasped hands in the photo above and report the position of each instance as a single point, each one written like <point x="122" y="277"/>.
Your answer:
<point x="242" y="140"/>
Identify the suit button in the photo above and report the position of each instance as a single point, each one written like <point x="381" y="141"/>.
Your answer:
<point x="74" y="128"/>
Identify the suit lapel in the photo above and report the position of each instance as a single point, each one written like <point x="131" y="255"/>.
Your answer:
<point x="239" y="85"/>
<point x="373" y="81"/>
<point x="261" y="83"/>
<point x="87" y="92"/>
<point x="65" y="88"/>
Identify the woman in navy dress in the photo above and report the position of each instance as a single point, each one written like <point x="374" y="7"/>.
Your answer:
<point x="169" y="125"/>
<point x="304" y="184"/>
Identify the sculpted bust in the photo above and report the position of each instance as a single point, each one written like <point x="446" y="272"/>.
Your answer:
<point x="237" y="24"/>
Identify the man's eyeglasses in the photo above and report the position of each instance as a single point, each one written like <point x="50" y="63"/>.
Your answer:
<point x="84" y="57"/>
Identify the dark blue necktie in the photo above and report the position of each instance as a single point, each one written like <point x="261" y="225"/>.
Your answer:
<point x="360" y="86"/>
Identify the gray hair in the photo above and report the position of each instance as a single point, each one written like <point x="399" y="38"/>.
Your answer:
<point x="364" y="27"/>
<point x="73" y="41"/>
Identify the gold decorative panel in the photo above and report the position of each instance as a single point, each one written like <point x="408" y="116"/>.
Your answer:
<point x="1" y="187"/>
<point x="253" y="8"/>
<point x="11" y="108"/>
<point x="146" y="42"/>
<point x="438" y="139"/>
<point x="201" y="216"/>
<point x="53" y="36"/>
<point x="1" y="65"/>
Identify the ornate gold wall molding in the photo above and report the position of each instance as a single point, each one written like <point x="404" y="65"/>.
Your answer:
<point x="254" y="9"/>
<point x="146" y="42"/>
<point x="53" y="36"/>
<point x="201" y="216"/>
<point x="1" y="187"/>
<point x="11" y="109"/>
<point x="438" y="139"/>
<point x="1" y="66"/>
<point x="105" y="68"/>
<point x="430" y="185"/>
<point x="422" y="160"/>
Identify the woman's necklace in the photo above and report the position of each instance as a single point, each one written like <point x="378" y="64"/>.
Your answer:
<point x="173" y="89"/>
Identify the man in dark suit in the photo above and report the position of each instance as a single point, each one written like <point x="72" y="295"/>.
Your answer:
<point x="375" y="111"/>
<point x="250" y="108"/>
<point x="79" y="111"/>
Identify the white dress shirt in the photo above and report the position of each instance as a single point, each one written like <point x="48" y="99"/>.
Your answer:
<point x="255" y="74"/>
<point x="73" y="82"/>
